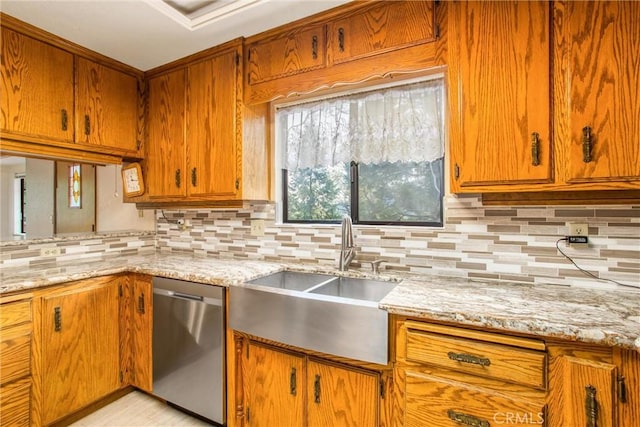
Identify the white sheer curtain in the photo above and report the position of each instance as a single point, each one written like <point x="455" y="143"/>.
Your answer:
<point x="398" y="124"/>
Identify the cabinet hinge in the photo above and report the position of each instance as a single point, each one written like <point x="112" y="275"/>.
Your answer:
<point x="247" y="351"/>
<point x="437" y="32"/>
<point x="237" y="184"/>
<point x="237" y="58"/>
<point x="248" y="415"/>
<point x="382" y="388"/>
<point x="622" y="389"/>
<point x="121" y="377"/>
<point x="456" y="171"/>
<point x="138" y="145"/>
<point x="120" y="290"/>
<point x="249" y="55"/>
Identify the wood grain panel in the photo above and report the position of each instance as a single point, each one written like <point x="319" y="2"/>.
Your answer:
<point x="15" y="313"/>
<point x="81" y="361"/>
<point x="37" y="84"/>
<point x="345" y="397"/>
<point x="15" y="353"/>
<point x="142" y="320"/>
<point x="125" y="309"/>
<point x="268" y="398"/>
<point x="499" y="93"/>
<point x="381" y="28"/>
<point x="212" y="146"/>
<point x="109" y="98"/>
<point x="429" y="401"/>
<point x="628" y="362"/>
<point x="507" y="363"/>
<point x="16" y="403"/>
<point x="166" y="130"/>
<point x="580" y="374"/>
<point x="603" y="45"/>
<point x="287" y="54"/>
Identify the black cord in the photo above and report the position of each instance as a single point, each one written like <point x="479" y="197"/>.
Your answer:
<point x="588" y="273"/>
<point x="167" y="219"/>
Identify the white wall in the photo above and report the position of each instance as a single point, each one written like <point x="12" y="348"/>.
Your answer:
<point x="112" y="214"/>
<point x="7" y="196"/>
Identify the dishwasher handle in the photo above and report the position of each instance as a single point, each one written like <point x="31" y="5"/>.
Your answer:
<point x="189" y="297"/>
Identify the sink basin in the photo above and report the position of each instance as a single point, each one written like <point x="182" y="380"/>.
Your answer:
<point x="320" y="312"/>
<point x="362" y="289"/>
<point x="292" y="280"/>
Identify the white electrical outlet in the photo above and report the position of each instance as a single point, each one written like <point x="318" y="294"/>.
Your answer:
<point x="257" y="227"/>
<point x="578" y="229"/>
<point x="50" y="251"/>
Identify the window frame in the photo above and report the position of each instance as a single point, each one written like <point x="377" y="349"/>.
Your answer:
<point x="281" y="178"/>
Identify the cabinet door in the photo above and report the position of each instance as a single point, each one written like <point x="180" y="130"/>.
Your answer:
<point x="588" y="392"/>
<point x="80" y="342"/>
<point x="273" y="387"/>
<point x="604" y="73"/>
<point x="499" y="93"/>
<point x="37" y="88"/>
<point x="381" y="28"/>
<point x="106" y="106"/>
<point x="142" y="331"/>
<point x="165" y="160"/>
<point x="302" y="49"/>
<point x="211" y="127"/>
<point x="628" y="386"/>
<point x="340" y="396"/>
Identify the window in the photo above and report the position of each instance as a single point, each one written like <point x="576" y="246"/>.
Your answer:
<point x="377" y="156"/>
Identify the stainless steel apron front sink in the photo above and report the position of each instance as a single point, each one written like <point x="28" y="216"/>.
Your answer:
<point x="326" y="313"/>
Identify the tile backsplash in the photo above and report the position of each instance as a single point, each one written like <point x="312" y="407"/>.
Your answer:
<point x="509" y="243"/>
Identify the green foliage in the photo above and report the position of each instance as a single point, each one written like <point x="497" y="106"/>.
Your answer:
<point x="318" y="194"/>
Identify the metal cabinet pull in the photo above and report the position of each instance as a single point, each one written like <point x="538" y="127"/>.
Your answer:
<point x="87" y="125"/>
<point x="178" y="178"/>
<point x="341" y="39"/>
<point x="141" y="303"/>
<point x="194" y="177"/>
<point x="535" y="148"/>
<point x="316" y="389"/>
<point x="466" y="419"/>
<point x="469" y="358"/>
<point x="57" y="319"/>
<point x="292" y="382"/>
<point x="587" y="144"/>
<point x="64" y="119"/>
<point x="591" y="406"/>
<point x="314" y="47"/>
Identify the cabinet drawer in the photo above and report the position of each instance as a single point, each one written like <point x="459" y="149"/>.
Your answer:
<point x="15" y="353"/>
<point x="432" y="401"/>
<point x="502" y="362"/>
<point x="15" y="313"/>
<point x="16" y="403"/>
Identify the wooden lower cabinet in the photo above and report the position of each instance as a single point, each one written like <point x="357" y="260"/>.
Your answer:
<point x="286" y="388"/>
<point x="141" y="332"/>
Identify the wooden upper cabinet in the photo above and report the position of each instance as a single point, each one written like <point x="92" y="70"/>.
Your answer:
<point x="212" y="143"/>
<point x="80" y="341"/>
<point x="603" y="44"/>
<point x="106" y="107"/>
<point x="37" y="89"/>
<point x="301" y="49"/>
<point x="499" y="94"/>
<point x="165" y="151"/>
<point x="385" y="26"/>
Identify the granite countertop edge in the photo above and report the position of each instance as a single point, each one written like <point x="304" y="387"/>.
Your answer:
<point x="606" y="317"/>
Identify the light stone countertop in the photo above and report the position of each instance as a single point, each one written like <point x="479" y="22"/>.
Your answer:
<point x="607" y="317"/>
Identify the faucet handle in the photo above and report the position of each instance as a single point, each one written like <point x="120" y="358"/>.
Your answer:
<point x="375" y="265"/>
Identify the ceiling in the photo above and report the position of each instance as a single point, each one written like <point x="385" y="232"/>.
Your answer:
<point x="149" y="33"/>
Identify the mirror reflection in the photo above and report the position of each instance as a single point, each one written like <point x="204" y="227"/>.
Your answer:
<point x="42" y="198"/>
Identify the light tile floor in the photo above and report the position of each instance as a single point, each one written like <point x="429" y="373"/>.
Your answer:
<point x="136" y="409"/>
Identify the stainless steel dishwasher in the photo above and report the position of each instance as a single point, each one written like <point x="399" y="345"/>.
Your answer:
<point x="188" y="346"/>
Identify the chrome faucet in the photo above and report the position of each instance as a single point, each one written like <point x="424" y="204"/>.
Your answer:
<point x="347" y="248"/>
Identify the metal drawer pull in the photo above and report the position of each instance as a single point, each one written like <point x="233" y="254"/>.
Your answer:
<point x="587" y="144"/>
<point x="57" y="319"/>
<point x="316" y="389"/>
<point x="466" y="419"/>
<point x="469" y="358"/>
<point x="535" y="148"/>
<point x="141" y="303"/>
<point x="292" y="382"/>
<point x="591" y="406"/>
